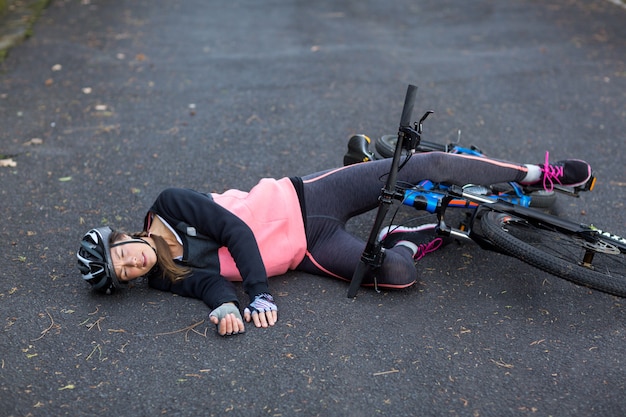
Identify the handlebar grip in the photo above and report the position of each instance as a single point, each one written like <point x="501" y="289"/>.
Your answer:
<point x="409" y="101"/>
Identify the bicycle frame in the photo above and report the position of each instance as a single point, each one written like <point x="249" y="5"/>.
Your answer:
<point x="438" y="204"/>
<point x="425" y="188"/>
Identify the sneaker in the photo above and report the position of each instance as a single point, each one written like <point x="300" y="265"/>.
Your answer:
<point x="419" y="239"/>
<point x="567" y="173"/>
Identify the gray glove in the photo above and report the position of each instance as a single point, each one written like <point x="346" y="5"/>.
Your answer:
<point x="223" y="310"/>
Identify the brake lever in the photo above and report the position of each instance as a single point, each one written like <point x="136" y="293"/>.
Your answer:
<point x="419" y="126"/>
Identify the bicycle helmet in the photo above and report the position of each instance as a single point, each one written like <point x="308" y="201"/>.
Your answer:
<point x="94" y="261"/>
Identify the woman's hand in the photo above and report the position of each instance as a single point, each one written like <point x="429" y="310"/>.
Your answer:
<point x="227" y="319"/>
<point x="262" y="311"/>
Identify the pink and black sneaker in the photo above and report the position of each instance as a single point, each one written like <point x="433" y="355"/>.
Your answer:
<point x="572" y="173"/>
<point x="420" y="239"/>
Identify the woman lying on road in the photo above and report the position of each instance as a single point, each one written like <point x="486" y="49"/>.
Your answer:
<point x="193" y="244"/>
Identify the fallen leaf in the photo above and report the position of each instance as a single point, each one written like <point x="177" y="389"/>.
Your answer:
<point x="65" y="179"/>
<point x="33" y="141"/>
<point x="502" y="364"/>
<point x="392" y="371"/>
<point x="7" y="163"/>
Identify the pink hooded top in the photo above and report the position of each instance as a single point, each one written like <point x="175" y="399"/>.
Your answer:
<point x="272" y="211"/>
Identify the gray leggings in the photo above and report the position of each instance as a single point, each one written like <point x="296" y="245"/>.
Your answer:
<point x="332" y="197"/>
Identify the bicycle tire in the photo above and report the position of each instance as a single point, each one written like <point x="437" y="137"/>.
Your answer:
<point x="561" y="254"/>
<point x="386" y="146"/>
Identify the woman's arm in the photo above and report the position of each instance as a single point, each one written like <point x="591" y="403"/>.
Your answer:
<point x="199" y="210"/>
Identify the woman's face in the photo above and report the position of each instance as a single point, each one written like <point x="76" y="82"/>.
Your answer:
<point x="133" y="259"/>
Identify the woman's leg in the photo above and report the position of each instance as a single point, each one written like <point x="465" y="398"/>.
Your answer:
<point x="345" y="192"/>
<point x="334" y="252"/>
<point x="333" y="197"/>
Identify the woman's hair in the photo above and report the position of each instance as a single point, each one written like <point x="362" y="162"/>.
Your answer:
<point x="165" y="264"/>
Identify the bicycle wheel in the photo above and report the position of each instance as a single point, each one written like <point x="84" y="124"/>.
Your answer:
<point x="589" y="258"/>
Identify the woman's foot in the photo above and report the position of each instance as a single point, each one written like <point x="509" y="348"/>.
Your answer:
<point x="420" y="240"/>
<point x="572" y="173"/>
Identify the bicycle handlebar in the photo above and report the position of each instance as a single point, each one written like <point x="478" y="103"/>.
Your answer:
<point x="409" y="101"/>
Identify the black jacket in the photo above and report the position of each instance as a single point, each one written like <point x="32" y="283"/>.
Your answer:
<point x="204" y="227"/>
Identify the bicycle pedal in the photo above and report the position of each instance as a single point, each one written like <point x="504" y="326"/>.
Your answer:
<point x="589" y="185"/>
<point x="574" y="191"/>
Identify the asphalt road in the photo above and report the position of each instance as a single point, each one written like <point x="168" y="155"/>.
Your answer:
<point x="109" y="102"/>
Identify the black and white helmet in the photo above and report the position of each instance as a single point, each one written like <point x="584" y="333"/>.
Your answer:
<point x="94" y="260"/>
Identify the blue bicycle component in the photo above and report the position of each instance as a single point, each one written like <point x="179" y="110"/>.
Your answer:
<point x="430" y="194"/>
<point x="466" y="151"/>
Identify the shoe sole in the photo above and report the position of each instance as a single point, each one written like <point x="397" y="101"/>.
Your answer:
<point x="390" y="230"/>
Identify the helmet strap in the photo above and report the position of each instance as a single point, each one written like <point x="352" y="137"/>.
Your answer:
<point x="134" y="240"/>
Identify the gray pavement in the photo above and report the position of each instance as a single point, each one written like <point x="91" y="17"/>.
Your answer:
<point x="109" y="102"/>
